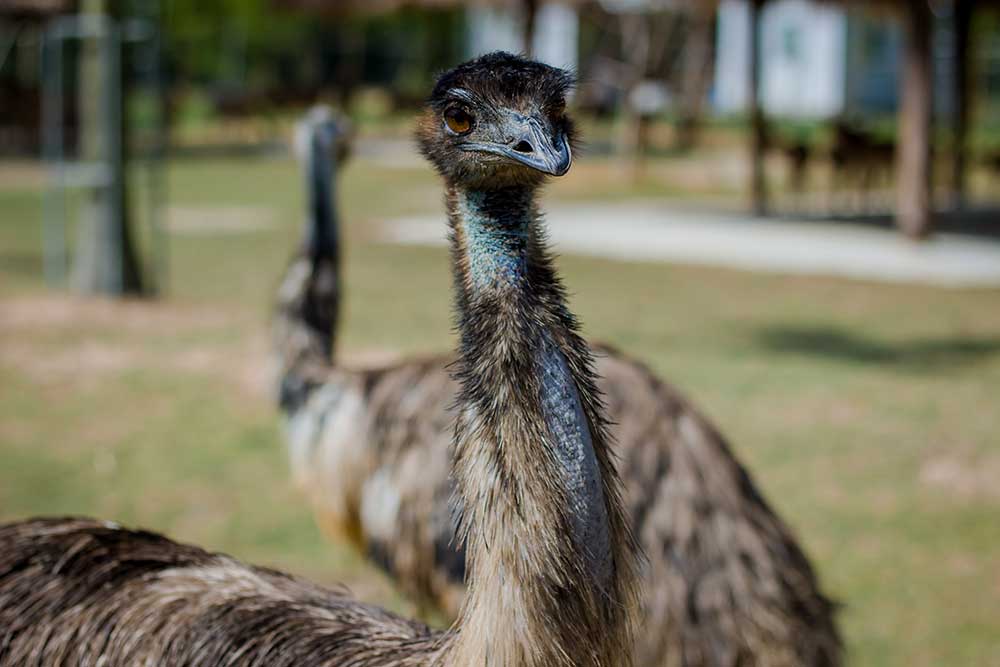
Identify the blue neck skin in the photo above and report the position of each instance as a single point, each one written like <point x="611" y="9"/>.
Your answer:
<point x="496" y="224"/>
<point x="496" y="229"/>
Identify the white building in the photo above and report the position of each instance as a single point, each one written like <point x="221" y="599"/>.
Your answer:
<point x="803" y="58"/>
<point x="817" y="59"/>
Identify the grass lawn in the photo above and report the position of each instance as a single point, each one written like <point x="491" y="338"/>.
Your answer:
<point x="868" y="413"/>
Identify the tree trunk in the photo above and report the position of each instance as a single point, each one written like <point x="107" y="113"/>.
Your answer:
<point x="963" y="91"/>
<point x="105" y="261"/>
<point x="632" y="130"/>
<point x="758" y="139"/>
<point x="530" y="8"/>
<point x="697" y="76"/>
<point x="914" y="216"/>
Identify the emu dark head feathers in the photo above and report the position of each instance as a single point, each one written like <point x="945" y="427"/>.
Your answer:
<point x="497" y="121"/>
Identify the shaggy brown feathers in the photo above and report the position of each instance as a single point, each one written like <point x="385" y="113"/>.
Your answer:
<point x="503" y="328"/>
<point x="81" y="592"/>
<point x="726" y="582"/>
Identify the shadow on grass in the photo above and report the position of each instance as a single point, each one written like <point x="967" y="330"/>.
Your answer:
<point x="921" y="355"/>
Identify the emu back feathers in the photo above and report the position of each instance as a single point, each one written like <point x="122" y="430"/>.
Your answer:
<point x="726" y="582"/>
<point x="79" y="592"/>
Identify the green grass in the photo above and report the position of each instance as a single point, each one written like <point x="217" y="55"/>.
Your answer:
<point x="868" y="413"/>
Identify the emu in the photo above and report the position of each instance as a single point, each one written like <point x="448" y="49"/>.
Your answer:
<point x="552" y="563"/>
<point x="860" y="157"/>
<point x="725" y="583"/>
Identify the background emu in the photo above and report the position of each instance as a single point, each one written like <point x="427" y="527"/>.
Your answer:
<point x="552" y="562"/>
<point x="726" y="582"/>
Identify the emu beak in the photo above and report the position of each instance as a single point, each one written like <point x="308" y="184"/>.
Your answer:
<point x="529" y="142"/>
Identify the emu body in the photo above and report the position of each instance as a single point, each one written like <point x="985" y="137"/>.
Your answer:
<point x="77" y="592"/>
<point x="726" y="582"/>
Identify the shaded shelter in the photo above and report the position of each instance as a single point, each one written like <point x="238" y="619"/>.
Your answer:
<point x="914" y="205"/>
<point x="21" y="22"/>
<point x="83" y="126"/>
<point x="34" y="9"/>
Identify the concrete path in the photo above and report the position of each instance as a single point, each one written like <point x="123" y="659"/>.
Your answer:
<point x="652" y="231"/>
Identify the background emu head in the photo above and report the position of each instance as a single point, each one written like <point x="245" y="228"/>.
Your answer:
<point x="331" y="130"/>
<point x="497" y="121"/>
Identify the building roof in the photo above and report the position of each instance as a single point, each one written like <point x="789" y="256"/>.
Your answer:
<point x="897" y="3"/>
<point x="339" y="7"/>
<point x="335" y="7"/>
<point x="34" y="8"/>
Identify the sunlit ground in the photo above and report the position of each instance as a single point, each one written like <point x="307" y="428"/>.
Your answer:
<point x="868" y="413"/>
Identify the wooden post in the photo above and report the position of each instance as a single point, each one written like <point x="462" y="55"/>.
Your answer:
<point x="633" y="128"/>
<point x="697" y="73"/>
<point x="914" y="215"/>
<point x="530" y="16"/>
<point x="963" y="91"/>
<point x="758" y="138"/>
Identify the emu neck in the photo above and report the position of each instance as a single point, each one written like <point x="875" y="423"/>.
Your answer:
<point x="496" y="227"/>
<point x="322" y="238"/>
<point x="308" y="299"/>
<point x="530" y="463"/>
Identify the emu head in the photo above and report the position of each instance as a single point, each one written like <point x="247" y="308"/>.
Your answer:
<point x="323" y="126"/>
<point x="497" y="121"/>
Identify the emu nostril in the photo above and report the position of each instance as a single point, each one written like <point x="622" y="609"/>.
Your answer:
<point x="524" y="147"/>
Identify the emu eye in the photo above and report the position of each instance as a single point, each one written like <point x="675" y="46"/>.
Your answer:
<point x="458" y="120"/>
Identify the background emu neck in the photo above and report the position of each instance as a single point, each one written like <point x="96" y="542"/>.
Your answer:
<point x="321" y="233"/>
<point x="308" y="303"/>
